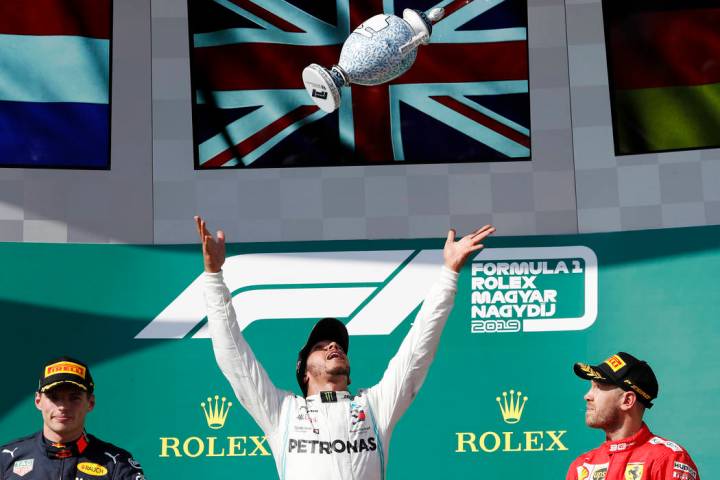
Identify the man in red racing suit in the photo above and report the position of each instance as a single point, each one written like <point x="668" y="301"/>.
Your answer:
<point x="621" y="388"/>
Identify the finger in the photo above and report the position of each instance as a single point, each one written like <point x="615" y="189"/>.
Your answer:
<point x="205" y="231"/>
<point x="197" y="226"/>
<point x="478" y="234"/>
<point x="482" y="230"/>
<point x="450" y="236"/>
<point x="221" y="237"/>
<point x="475" y="248"/>
<point x="484" y="234"/>
<point x="206" y="241"/>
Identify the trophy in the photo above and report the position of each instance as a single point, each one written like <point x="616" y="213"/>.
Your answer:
<point x="380" y="49"/>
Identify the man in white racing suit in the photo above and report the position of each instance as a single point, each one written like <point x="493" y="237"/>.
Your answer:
<point x="330" y="433"/>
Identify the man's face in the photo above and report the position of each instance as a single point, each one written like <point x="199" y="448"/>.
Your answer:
<point x="603" y="406"/>
<point x="63" y="410"/>
<point x="327" y="357"/>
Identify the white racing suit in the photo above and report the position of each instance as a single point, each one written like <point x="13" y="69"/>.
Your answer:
<point x="332" y="435"/>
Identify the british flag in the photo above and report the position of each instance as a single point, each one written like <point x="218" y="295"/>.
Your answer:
<point x="464" y="100"/>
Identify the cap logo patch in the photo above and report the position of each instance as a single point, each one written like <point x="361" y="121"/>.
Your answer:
<point x="92" y="469"/>
<point x="615" y="363"/>
<point x="65" y="367"/>
<point x="591" y="372"/>
<point x="637" y="389"/>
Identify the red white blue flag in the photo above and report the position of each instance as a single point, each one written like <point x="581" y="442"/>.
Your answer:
<point x="464" y="100"/>
<point x="55" y="83"/>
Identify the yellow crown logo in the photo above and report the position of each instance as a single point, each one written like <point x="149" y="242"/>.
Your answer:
<point x="216" y="412"/>
<point x="511" y="408"/>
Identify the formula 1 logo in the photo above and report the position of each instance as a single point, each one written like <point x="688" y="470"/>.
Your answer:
<point x="531" y="290"/>
<point x="375" y="290"/>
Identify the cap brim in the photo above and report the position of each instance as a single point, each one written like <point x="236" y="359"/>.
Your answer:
<point x="328" y="329"/>
<point x="588" y="372"/>
<point x="52" y="385"/>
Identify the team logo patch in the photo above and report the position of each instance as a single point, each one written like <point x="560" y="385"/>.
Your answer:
<point x="328" y="397"/>
<point x="92" y="469"/>
<point x="357" y="413"/>
<point x="615" y="363"/>
<point x="582" y="473"/>
<point x="686" y="470"/>
<point x="661" y="441"/>
<point x="23" y="467"/>
<point x="633" y="471"/>
<point x="600" y="474"/>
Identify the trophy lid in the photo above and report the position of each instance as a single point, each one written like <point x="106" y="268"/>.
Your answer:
<point x="321" y="87"/>
<point x="418" y="21"/>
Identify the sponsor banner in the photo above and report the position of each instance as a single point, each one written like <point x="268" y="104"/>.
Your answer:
<point x="500" y="399"/>
<point x="534" y="290"/>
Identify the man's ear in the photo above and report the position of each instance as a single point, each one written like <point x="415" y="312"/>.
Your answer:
<point x="38" y="396"/>
<point x="91" y="401"/>
<point x="628" y="401"/>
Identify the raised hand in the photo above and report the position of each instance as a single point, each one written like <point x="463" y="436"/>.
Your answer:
<point x="456" y="253"/>
<point x="213" y="248"/>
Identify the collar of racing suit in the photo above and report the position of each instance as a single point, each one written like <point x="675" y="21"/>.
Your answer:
<point x="328" y="397"/>
<point x="629" y="443"/>
<point x="65" y="450"/>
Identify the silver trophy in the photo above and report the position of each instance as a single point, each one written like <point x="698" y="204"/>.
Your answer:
<point x="380" y="49"/>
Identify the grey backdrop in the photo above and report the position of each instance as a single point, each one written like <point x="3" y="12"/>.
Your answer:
<point x="573" y="184"/>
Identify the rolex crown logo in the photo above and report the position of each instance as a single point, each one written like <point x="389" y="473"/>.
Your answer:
<point x="216" y="412"/>
<point x="512" y="407"/>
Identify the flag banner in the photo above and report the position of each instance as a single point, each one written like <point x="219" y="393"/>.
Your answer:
<point x="55" y="83"/>
<point x="465" y="99"/>
<point x="664" y="75"/>
<point x="500" y="400"/>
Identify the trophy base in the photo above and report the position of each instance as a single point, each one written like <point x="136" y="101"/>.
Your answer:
<point x="321" y="87"/>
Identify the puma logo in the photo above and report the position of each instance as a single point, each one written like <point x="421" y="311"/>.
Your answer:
<point x="11" y="452"/>
<point x="114" y="457"/>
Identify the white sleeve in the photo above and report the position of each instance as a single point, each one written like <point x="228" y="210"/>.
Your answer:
<point x="248" y="378"/>
<point x="407" y="370"/>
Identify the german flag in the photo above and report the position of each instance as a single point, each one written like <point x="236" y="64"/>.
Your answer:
<point x="664" y="71"/>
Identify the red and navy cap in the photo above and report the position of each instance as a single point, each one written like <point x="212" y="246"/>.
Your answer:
<point x="325" y="329"/>
<point x="624" y="371"/>
<point x="65" y="370"/>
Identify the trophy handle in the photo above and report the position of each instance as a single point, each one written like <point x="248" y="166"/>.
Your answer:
<point x="414" y="42"/>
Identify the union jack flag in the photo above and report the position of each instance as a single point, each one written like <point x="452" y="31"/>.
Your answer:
<point x="464" y="100"/>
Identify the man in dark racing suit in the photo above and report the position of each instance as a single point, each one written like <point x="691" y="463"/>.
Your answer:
<point x="63" y="450"/>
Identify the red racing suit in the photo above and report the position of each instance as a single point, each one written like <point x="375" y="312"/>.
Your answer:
<point x="642" y="456"/>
